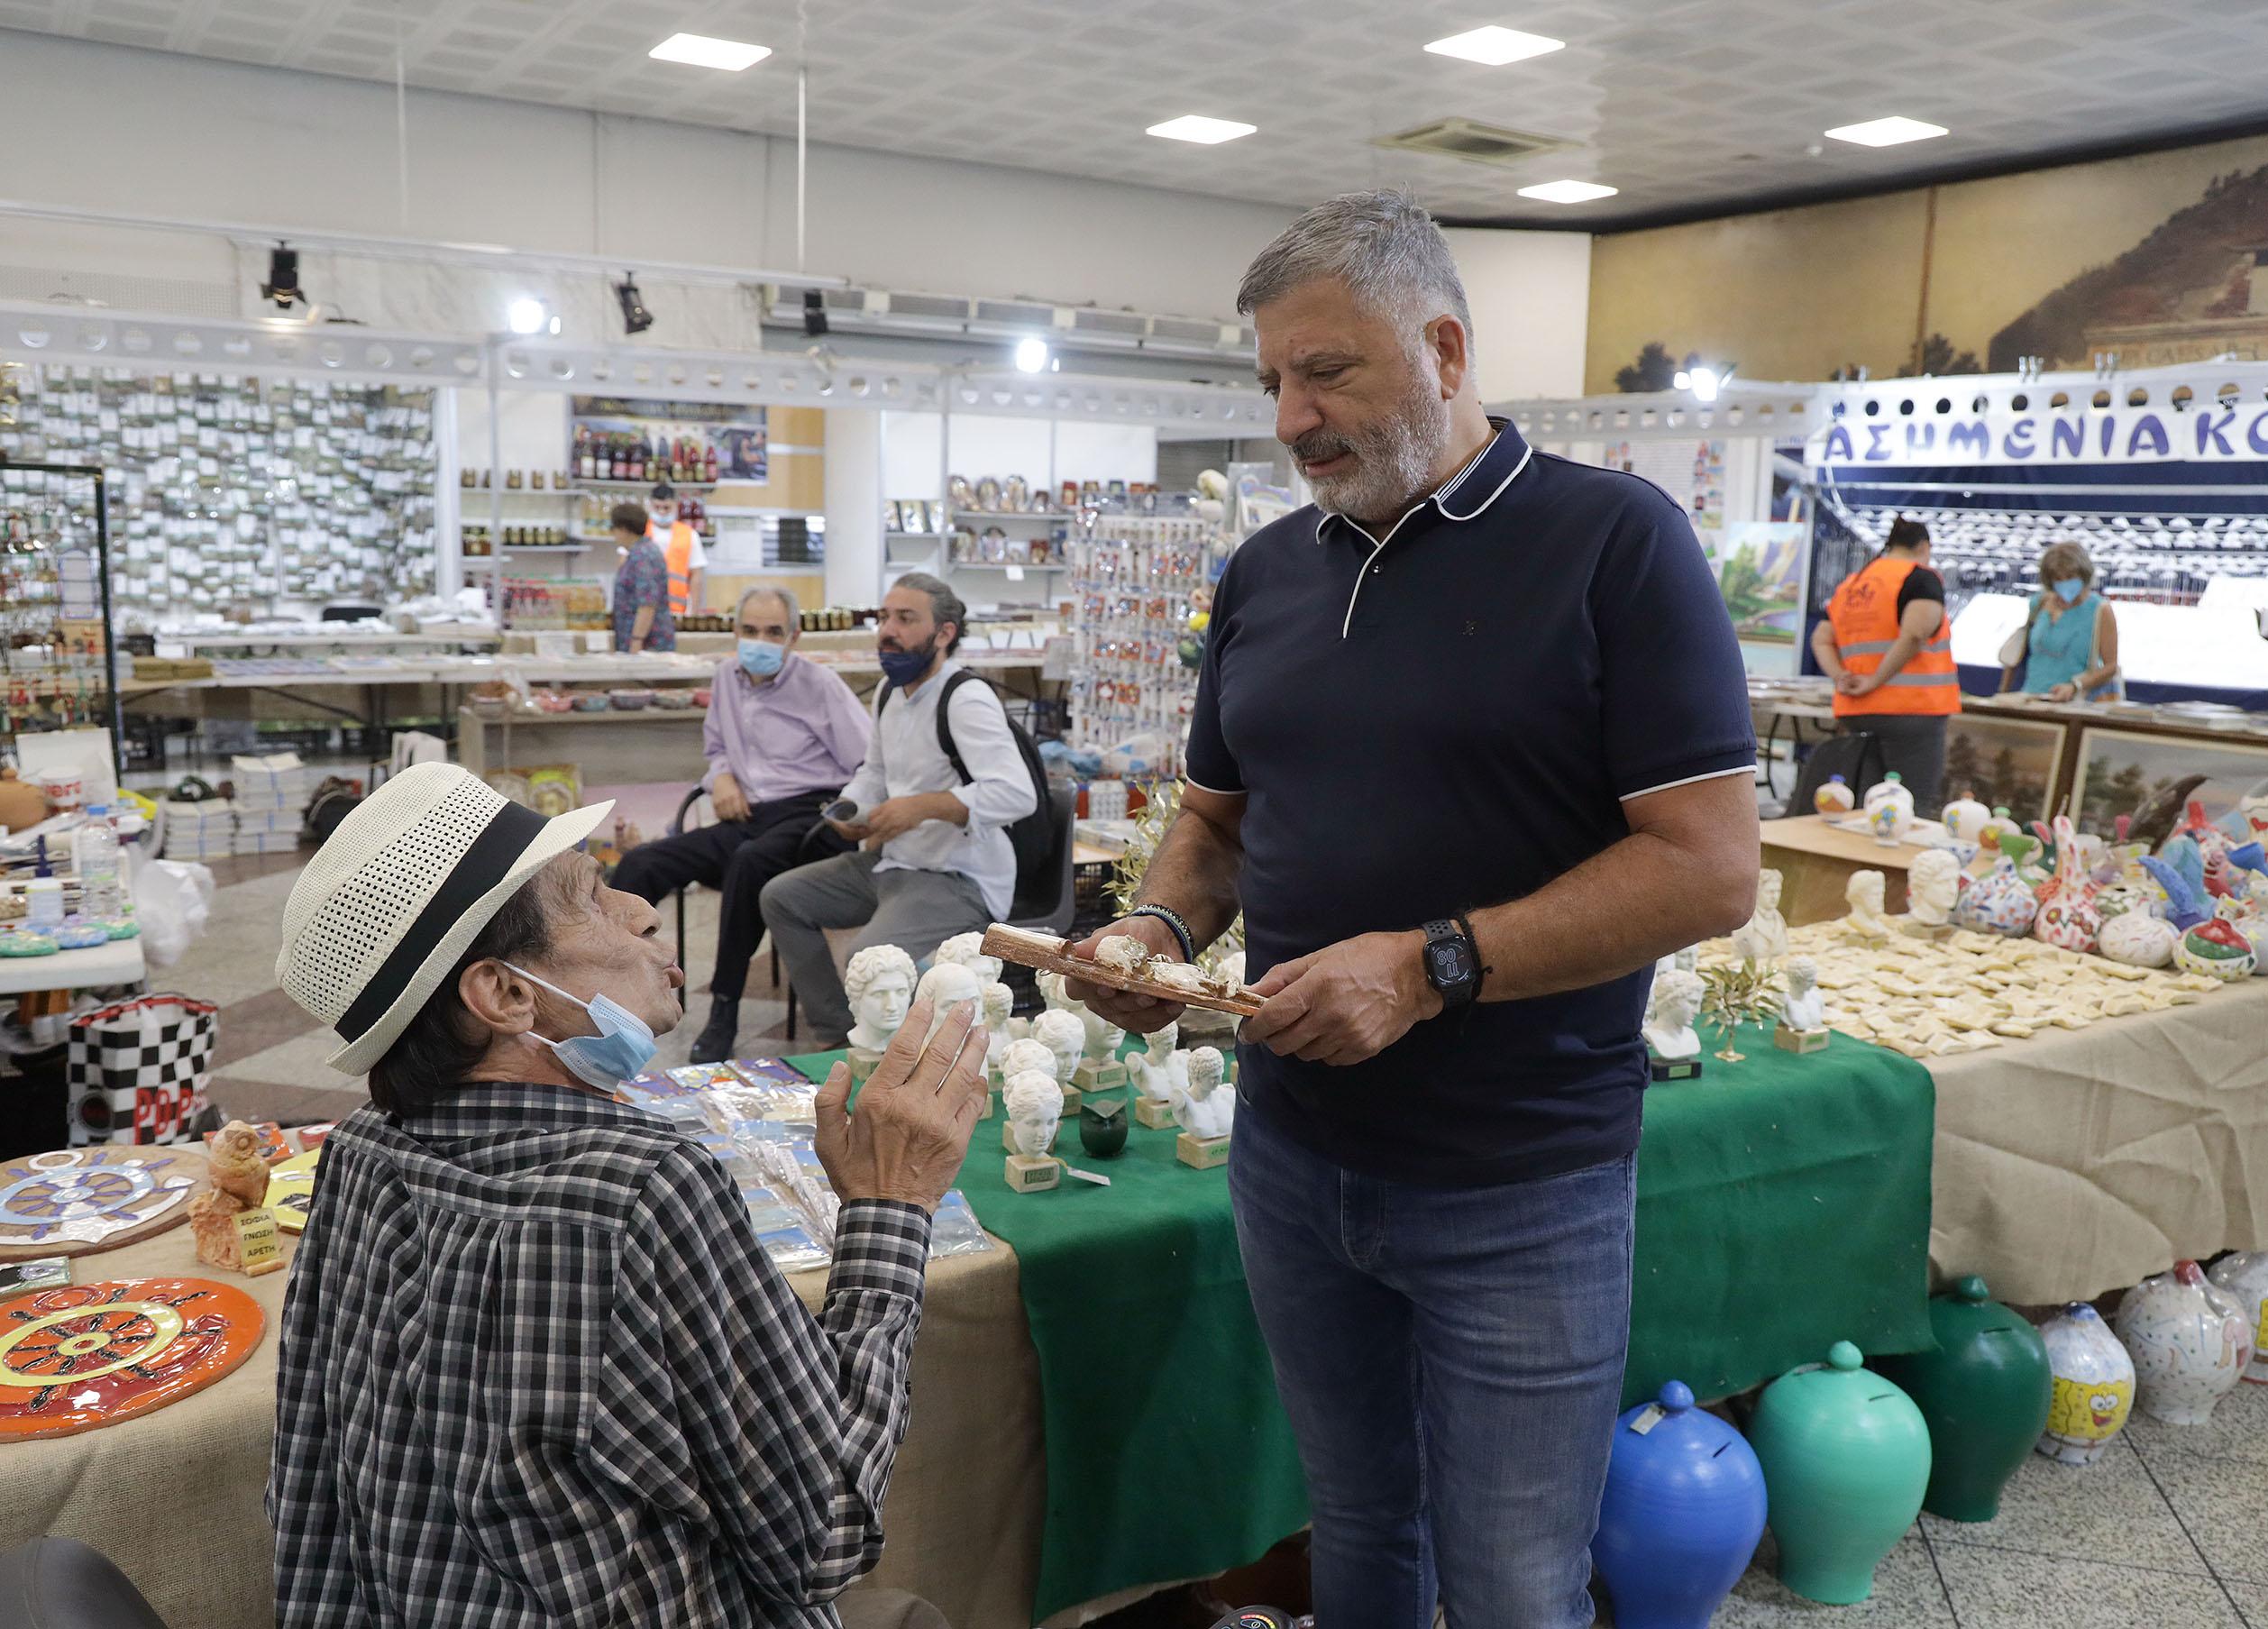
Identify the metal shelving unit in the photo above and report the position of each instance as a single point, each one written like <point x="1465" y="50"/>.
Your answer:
<point x="41" y="685"/>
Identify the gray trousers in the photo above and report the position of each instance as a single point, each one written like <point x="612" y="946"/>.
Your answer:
<point x="916" y="910"/>
<point x="1913" y="745"/>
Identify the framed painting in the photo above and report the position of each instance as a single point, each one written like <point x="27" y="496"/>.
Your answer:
<point x="2011" y="762"/>
<point x="2119" y="768"/>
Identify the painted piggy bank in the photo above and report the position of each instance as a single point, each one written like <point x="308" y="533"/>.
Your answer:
<point x="1888" y="791"/>
<point x="2215" y="947"/>
<point x="1965" y="819"/>
<point x="1846" y="1460"/>
<point x="2069" y="921"/>
<point x="2094" y="1385"/>
<point x="2000" y="901"/>
<point x="2188" y="1341"/>
<point x="1684" y="1508"/>
<point x="2138" y="939"/>
<point x="1985" y="1392"/>
<point x="2125" y="899"/>
<point x="2242" y="1277"/>
<point x="1834" y="798"/>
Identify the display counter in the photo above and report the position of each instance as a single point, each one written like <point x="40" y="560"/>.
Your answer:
<point x="1816" y="862"/>
<point x="609" y="748"/>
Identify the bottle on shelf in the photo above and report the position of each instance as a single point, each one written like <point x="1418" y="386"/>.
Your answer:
<point x="586" y="461"/>
<point x="708" y="464"/>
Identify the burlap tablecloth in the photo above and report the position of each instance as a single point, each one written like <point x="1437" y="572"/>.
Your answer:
<point x="2072" y="1163"/>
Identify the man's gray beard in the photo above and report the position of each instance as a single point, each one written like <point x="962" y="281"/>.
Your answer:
<point x="1394" y="465"/>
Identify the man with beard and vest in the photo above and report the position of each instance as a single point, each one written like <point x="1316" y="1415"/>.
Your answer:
<point x="1887" y="644"/>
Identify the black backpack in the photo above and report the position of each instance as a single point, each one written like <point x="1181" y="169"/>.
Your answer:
<point x="1857" y="759"/>
<point x="1033" y="837"/>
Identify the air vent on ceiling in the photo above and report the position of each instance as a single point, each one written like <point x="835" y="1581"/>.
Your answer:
<point x="1470" y="140"/>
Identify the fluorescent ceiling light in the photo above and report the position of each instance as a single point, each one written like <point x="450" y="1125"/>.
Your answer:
<point x="526" y="316"/>
<point x="702" y="51"/>
<point x="1493" y="47"/>
<point x="1197" y="127"/>
<point x="1567" y="192"/>
<point x="1032" y="356"/>
<point x="1886" y="133"/>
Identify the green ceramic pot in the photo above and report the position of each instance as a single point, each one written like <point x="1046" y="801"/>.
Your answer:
<point x="1102" y="1126"/>
<point x="1985" y="1392"/>
<point x="1846" y="1458"/>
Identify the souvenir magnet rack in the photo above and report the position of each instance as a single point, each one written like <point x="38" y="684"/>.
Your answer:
<point x="53" y="651"/>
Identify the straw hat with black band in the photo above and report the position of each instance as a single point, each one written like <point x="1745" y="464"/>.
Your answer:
<point x="399" y="893"/>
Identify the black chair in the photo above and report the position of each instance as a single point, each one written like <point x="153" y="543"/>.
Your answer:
<point x="686" y="810"/>
<point x="1857" y="759"/>
<point x="55" y="1583"/>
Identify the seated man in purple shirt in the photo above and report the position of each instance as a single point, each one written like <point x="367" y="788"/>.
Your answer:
<point x="784" y="735"/>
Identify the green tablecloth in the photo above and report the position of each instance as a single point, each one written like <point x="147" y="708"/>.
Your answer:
<point x="1783" y="1204"/>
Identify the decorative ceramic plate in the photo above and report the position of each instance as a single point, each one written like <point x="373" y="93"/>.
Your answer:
<point x="291" y="1189"/>
<point x="72" y="1200"/>
<point x="87" y="1355"/>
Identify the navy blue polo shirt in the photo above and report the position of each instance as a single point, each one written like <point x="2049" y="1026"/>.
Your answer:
<point x="1446" y="717"/>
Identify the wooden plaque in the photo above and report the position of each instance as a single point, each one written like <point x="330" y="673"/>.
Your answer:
<point x="87" y="1355"/>
<point x="74" y="1201"/>
<point x="1049" y="955"/>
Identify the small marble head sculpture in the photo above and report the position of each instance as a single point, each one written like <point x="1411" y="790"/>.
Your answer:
<point x="1051" y="991"/>
<point x="1863" y="894"/>
<point x="1205" y="1111"/>
<point x="998" y="1002"/>
<point x="1063" y="1034"/>
<point x="1025" y="1056"/>
<point x="1122" y="953"/>
<point x="879" y="983"/>
<point x="1671" y="1010"/>
<point x="1802" y="1007"/>
<point x="1206" y="1067"/>
<point x="1159" y="1044"/>
<point x="1932" y="886"/>
<point x="1034" y="1109"/>
<point x="1102" y="1038"/>
<point x="968" y="951"/>
<point x="945" y="986"/>
<point x="1767" y="890"/>
<point x="1802" y="974"/>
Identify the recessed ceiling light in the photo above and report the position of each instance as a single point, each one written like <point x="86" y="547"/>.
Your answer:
<point x="1886" y="133"/>
<point x="701" y="52"/>
<point x="1495" y="46"/>
<point x="1567" y="192"/>
<point x="1197" y="127"/>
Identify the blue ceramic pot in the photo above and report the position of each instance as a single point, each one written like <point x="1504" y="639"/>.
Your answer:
<point x="1683" y="1512"/>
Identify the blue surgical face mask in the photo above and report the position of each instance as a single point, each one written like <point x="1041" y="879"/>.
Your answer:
<point x="761" y="657"/>
<point x="621" y="1049"/>
<point x="904" y="667"/>
<point x="2069" y="588"/>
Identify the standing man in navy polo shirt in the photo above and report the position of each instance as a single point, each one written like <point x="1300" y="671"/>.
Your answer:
<point x="1471" y="750"/>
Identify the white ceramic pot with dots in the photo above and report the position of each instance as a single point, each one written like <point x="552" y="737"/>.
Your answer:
<point x="2189" y="1343"/>
<point x="2093" y="1393"/>
<point x="2242" y="1277"/>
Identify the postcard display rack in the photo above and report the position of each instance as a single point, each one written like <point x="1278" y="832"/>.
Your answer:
<point x="238" y="492"/>
<point x="1136" y="581"/>
<point x="56" y="659"/>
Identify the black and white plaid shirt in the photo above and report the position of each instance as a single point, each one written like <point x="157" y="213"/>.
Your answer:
<point x="538" y="1370"/>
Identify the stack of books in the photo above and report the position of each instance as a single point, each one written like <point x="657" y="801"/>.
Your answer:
<point x="271" y="798"/>
<point x="200" y="831"/>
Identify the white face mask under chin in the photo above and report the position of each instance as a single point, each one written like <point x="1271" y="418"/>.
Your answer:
<point x="621" y="1049"/>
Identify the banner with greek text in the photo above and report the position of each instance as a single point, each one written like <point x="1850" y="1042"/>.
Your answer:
<point x="2106" y="436"/>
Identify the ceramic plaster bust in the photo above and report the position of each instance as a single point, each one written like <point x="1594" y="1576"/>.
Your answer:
<point x="1034" y="1104"/>
<point x="1122" y="953"/>
<point x="1023" y="1056"/>
<point x="879" y="983"/>
<point x="1065" y="1037"/>
<point x="1933" y="887"/>
<point x="1051" y="992"/>
<point x="1154" y="1068"/>
<point x="1203" y="1108"/>
<point x="945" y="986"/>
<point x="1764" y="938"/>
<point x="995" y="1002"/>
<point x="967" y="949"/>
<point x="1671" y="1010"/>
<point x="1864" y="895"/>
<point x="1803" y="1007"/>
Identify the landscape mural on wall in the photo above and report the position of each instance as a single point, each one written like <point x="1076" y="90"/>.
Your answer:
<point x="2161" y="257"/>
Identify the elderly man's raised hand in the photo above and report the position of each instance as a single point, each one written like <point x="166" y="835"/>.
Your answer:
<point x="911" y="1129"/>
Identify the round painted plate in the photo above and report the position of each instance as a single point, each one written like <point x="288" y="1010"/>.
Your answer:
<point x="291" y="1189"/>
<point x="88" y="1355"/>
<point x="71" y="1200"/>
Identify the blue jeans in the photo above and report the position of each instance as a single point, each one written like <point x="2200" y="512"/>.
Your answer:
<point x="1451" y="1359"/>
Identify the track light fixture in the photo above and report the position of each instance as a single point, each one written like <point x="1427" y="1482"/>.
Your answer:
<point x="814" y="314"/>
<point x="282" y="285"/>
<point x="635" y="317"/>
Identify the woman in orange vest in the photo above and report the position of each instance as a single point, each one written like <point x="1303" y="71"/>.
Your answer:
<point x="1887" y="644"/>
<point x="680" y="546"/>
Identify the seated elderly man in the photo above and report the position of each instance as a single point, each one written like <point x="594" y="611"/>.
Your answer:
<point x="783" y="734"/>
<point x="535" y="1367"/>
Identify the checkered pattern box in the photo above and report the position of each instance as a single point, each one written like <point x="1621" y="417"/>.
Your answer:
<point x="137" y="1069"/>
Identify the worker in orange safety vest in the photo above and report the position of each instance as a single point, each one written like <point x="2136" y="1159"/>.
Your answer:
<point x="680" y="547"/>
<point x="1888" y="644"/>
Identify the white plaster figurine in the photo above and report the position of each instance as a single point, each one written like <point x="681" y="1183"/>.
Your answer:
<point x="1035" y="1110"/>
<point x="1158" y="1068"/>
<point x="1763" y="940"/>
<point x="879" y="982"/>
<point x="1867" y="918"/>
<point x="1122" y="953"/>
<point x="1933" y="887"/>
<point x="1023" y="1056"/>
<point x="1671" y="1010"/>
<point x="945" y="986"/>
<point x="997" y="1000"/>
<point x="968" y="949"/>
<point x="1065" y="1038"/>
<point x="1803" y="1008"/>
<point x="1203" y="1108"/>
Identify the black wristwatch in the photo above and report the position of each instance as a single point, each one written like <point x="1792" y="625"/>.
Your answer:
<point x="1452" y="962"/>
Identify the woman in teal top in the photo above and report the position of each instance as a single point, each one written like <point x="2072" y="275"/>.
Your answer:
<point x="2071" y="642"/>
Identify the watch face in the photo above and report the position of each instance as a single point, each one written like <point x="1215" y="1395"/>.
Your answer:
<point x="1451" y="965"/>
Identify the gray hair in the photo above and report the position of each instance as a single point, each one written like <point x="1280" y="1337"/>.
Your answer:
<point x="1383" y="245"/>
<point x="764" y="590"/>
<point x="944" y="605"/>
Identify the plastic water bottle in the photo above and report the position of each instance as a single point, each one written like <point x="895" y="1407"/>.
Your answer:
<point x="101" y="897"/>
